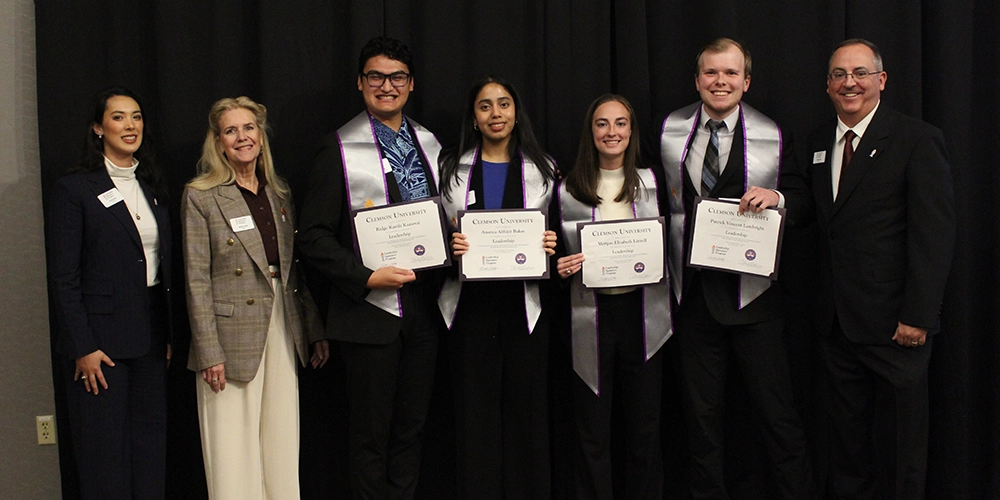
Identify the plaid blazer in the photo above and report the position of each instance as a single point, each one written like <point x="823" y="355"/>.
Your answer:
<point x="229" y="291"/>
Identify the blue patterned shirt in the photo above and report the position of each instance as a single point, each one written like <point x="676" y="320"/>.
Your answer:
<point x="404" y="157"/>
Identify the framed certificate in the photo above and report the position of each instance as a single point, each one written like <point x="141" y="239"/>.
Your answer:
<point x="725" y="240"/>
<point x="623" y="253"/>
<point x="407" y="235"/>
<point x="503" y="245"/>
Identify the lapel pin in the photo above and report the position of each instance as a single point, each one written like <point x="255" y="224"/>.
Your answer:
<point x="872" y="155"/>
<point x="283" y="214"/>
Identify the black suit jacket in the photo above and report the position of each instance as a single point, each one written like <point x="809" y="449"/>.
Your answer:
<point x="887" y="241"/>
<point x="720" y="289"/>
<point x="325" y="238"/>
<point x="97" y="269"/>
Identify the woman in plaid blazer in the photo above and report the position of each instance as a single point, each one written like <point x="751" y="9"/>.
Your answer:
<point x="250" y="312"/>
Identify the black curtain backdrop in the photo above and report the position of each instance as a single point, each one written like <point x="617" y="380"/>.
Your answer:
<point x="300" y="59"/>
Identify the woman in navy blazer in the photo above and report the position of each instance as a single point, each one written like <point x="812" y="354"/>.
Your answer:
<point x="109" y="272"/>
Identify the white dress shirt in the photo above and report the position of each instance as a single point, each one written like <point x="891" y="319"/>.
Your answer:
<point x="837" y="158"/>
<point x="699" y="144"/>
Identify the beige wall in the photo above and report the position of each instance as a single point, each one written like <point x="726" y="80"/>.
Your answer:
<point x="27" y="470"/>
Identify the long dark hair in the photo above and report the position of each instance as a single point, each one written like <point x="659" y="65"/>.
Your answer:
<point x="92" y="157"/>
<point x="582" y="180"/>
<point x="522" y="137"/>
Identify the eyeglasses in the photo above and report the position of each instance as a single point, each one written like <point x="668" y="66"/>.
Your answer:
<point x="840" y="75"/>
<point x="376" y="79"/>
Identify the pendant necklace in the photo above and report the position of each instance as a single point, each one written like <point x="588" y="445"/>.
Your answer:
<point x="136" y="190"/>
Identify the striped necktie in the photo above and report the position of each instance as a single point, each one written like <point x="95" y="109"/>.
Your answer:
<point x="710" y="168"/>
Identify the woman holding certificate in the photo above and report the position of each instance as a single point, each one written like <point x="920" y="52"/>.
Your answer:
<point x="499" y="333"/>
<point x="251" y="315"/>
<point x="616" y="330"/>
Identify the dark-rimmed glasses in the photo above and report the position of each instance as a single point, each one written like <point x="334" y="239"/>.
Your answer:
<point x="377" y="78"/>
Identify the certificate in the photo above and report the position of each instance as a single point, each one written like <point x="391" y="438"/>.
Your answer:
<point x="725" y="240"/>
<point x="503" y="245"/>
<point x="406" y="235"/>
<point x="623" y="253"/>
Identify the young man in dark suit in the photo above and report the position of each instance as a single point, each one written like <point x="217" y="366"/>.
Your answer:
<point x="722" y="148"/>
<point x="883" y="192"/>
<point x="386" y="320"/>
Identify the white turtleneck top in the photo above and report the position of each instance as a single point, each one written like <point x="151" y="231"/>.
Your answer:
<point x="608" y="187"/>
<point x="142" y="215"/>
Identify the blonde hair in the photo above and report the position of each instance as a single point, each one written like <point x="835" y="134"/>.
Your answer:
<point x="213" y="167"/>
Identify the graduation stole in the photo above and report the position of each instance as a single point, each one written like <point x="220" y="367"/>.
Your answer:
<point x="537" y="194"/>
<point x="761" y="167"/>
<point x="364" y="179"/>
<point x="657" y="324"/>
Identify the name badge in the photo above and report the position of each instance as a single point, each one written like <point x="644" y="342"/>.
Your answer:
<point x="819" y="157"/>
<point x="244" y="223"/>
<point x="386" y="166"/>
<point x="110" y="197"/>
<point x="472" y="197"/>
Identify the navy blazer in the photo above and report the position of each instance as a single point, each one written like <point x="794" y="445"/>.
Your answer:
<point x="886" y="243"/>
<point x="97" y="269"/>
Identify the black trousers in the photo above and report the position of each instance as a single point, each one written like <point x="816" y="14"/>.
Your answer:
<point x="856" y="371"/>
<point x="500" y="387"/>
<point x="389" y="390"/>
<point x="120" y="435"/>
<point x="704" y="346"/>
<point x="623" y="368"/>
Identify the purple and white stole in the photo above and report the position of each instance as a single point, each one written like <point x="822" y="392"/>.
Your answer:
<point x="762" y="167"/>
<point x="364" y="179"/>
<point x="657" y="323"/>
<point x="537" y="194"/>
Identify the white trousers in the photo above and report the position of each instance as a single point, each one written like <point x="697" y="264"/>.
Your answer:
<point x="250" y="430"/>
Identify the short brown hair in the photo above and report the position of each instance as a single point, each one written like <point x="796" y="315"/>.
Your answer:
<point x="721" y="45"/>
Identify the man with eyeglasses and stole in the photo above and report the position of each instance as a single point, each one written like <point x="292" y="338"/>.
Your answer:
<point x="719" y="147"/>
<point x="385" y="320"/>
<point x="884" y="203"/>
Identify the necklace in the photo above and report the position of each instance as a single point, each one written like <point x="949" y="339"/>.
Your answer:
<point x="135" y="190"/>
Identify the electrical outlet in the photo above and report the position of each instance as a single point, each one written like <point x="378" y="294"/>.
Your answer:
<point x="46" y="426"/>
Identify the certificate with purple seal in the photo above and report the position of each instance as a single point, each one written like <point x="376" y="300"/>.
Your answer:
<point x="407" y="235"/>
<point x="623" y="252"/>
<point x="503" y="245"/>
<point x="726" y="240"/>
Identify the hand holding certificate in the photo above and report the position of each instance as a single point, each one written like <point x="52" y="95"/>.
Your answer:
<point x="726" y="240"/>
<point x="623" y="253"/>
<point x="503" y="245"/>
<point x="405" y="235"/>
